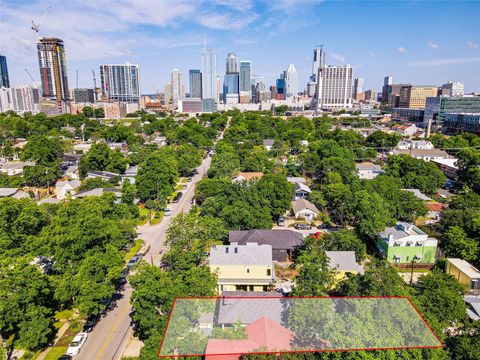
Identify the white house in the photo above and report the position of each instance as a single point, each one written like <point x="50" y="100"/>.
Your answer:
<point x="13" y="193"/>
<point x="12" y="168"/>
<point x="414" y="144"/>
<point x="65" y="188"/>
<point x="408" y="130"/>
<point x="304" y="209"/>
<point x="302" y="191"/>
<point x="268" y="143"/>
<point x="368" y="170"/>
<point x="423" y="154"/>
<point x="72" y="172"/>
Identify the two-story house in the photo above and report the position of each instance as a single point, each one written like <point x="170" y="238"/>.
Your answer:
<point x="242" y="267"/>
<point x="405" y="243"/>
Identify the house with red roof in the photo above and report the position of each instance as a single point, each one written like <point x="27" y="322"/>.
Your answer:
<point x="263" y="335"/>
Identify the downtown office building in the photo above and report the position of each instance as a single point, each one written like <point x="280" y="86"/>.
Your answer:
<point x="120" y="82"/>
<point x="53" y="69"/>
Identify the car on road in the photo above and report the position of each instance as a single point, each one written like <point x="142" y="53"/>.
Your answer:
<point x="65" y="357"/>
<point x="302" y="226"/>
<point x="281" y="221"/>
<point x="175" y="200"/>
<point x="133" y="261"/>
<point x="77" y="343"/>
<point x="189" y="179"/>
<point x="179" y="194"/>
<point x="90" y="323"/>
<point x="167" y="212"/>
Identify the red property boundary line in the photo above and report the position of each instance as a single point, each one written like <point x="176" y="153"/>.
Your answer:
<point x="441" y="346"/>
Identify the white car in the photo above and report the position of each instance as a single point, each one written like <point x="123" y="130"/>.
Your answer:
<point x="77" y="344"/>
<point x="167" y="212"/>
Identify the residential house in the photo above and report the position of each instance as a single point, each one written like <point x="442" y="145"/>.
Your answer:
<point x="65" y="188"/>
<point x="296" y="179"/>
<point x="49" y="200"/>
<point x="264" y="333"/>
<point x="247" y="176"/>
<point x="302" y="191"/>
<point x="367" y="170"/>
<point x="405" y="243"/>
<point x="72" y="172"/>
<point x="283" y="242"/>
<point x="448" y="166"/>
<point x="473" y="306"/>
<point x="104" y="175"/>
<point x="82" y="148"/>
<point x="13" y="193"/>
<point x="343" y="262"/>
<point x="434" y="211"/>
<point x="159" y="141"/>
<point x="466" y="274"/>
<point x="414" y="144"/>
<point x="418" y="194"/>
<point x="268" y="143"/>
<point x="304" y="143"/>
<point x="423" y="154"/>
<point x="406" y="130"/>
<point x="242" y="267"/>
<point x="304" y="209"/>
<point x="98" y="192"/>
<point x="130" y="174"/>
<point x="12" y="168"/>
<point x="71" y="159"/>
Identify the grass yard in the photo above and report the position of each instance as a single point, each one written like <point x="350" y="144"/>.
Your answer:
<point x="183" y="180"/>
<point x="56" y="352"/>
<point x="64" y="314"/>
<point x="157" y="218"/>
<point x="179" y="187"/>
<point x="134" y="249"/>
<point x="170" y="198"/>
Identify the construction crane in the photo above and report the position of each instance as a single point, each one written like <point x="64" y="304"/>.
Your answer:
<point x="30" y="76"/>
<point x="36" y="25"/>
<point x="94" y="85"/>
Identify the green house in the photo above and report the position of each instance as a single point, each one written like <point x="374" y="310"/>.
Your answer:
<point x="404" y="243"/>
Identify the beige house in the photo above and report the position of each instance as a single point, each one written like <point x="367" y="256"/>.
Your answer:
<point x="242" y="267"/>
<point x="65" y="188"/>
<point x="304" y="209"/>
<point x="466" y="275"/>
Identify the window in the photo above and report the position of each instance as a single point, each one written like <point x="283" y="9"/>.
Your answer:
<point x="226" y="250"/>
<point x="251" y="288"/>
<point x="269" y="272"/>
<point x="241" y="287"/>
<point x="248" y="271"/>
<point x="235" y="250"/>
<point x="221" y="287"/>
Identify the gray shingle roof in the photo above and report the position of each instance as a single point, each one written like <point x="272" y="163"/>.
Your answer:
<point x="344" y="261"/>
<point x="300" y="204"/>
<point x="278" y="239"/>
<point x="250" y="254"/>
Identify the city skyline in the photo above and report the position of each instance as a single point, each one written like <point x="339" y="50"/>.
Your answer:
<point x="270" y="35"/>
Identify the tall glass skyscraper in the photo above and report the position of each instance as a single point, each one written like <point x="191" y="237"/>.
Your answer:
<point x="232" y="63"/>
<point x="4" y="82"/>
<point x="120" y="82"/>
<point x="209" y="80"/>
<point x="195" y="80"/>
<point x="291" y="82"/>
<point x="53" y="68"/>
<point x="178" y="86"/>
<point x="318" y="62"/>
<point x="245" y="75"/>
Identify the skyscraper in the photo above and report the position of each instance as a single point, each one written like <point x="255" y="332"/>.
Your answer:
<point x="195" y="80"/>
<point x="387" y="80"/>
<point x="245" y="81"/>
<point x="53" y="68"/>
<point x="120" y="82"/>
<point x="232" y="64"/>
<point x="178" y="86"/>
<point x="336" y="87"/>
<point x="4" y="82"/>
<point x="452" y="89"/>
<point x="291" y="82"/>
<point x="357" y="87"/>
<point x="209" y="80"/>
<point x="318" y="62"/>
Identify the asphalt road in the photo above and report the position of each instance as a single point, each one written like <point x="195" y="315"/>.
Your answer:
<point x="108" y="339"/>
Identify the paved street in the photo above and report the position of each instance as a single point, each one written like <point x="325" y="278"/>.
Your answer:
<point x="108" y="339"/>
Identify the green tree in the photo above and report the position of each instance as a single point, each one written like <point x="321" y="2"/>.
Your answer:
<point x="224" y="164"/>
<point x="101" y="158"/>
<point x="88" y="111"/>
<point x="469" y="168"/>
<point x="44" y="150"/>
<point x="371" y="213"/>
<point x="456" y="243"/>
<point x="99" y="113"/>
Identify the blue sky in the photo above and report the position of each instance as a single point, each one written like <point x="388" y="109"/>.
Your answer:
<point x="420" y="42"/>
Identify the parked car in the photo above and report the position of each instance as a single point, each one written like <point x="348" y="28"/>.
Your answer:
<point x="281" y="221"/>
<point x="77" y="343"/>
<point x="133" y="261"/>
<point x="302" y="226"/>
<point x="189" y="179"/>
<point x="167" y="212"/>
<point x="179" y="194"/>
<point x="65" y="357"/>
<point x="91" y="322"/>
<point x="175" y="200"/>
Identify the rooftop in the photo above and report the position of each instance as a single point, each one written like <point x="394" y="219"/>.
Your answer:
<point x="344" y="261"/>
<point x="401" y="230"/>
<point x="250" y="254"/>
<point x="465" y="267"/>
<point x="367" y="165"/>
<point x="423" y="152"/>
<point x="418" y="194"/>
<point x="278" y="239"/>
<point x="301" y="204"/>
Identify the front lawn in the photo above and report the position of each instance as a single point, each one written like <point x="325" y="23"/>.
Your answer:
<point x="56" y="352"/>
<point x="134" y="249"/>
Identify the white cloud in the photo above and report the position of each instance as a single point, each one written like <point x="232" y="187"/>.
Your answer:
<point x="401" y="49"/>
<point x="433" y="45"/>
<point x="441" y="62"/>
<point x="472" y="45"/>
<point x="338" y="57"/>
<point x="372" y="54"/>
